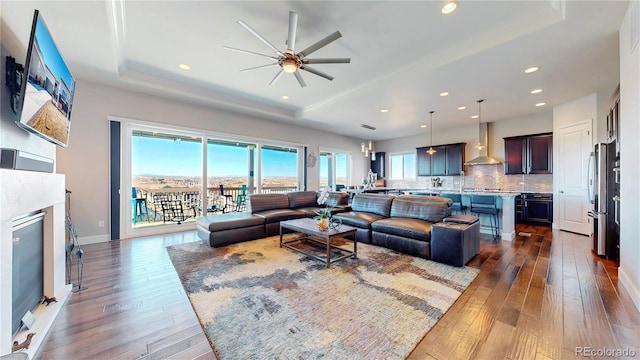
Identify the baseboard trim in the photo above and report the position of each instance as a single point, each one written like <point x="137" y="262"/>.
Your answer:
<point x="630" y="287"/>
<point x="86" y="240"/>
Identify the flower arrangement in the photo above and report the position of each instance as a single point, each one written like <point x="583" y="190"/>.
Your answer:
<point x="325" y="213"/>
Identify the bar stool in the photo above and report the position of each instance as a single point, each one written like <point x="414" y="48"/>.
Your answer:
<point x="457" y="203"/>
<point x="486" y="204"/>
<point x="139" y="206"/>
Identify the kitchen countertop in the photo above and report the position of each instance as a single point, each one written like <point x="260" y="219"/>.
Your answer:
<point x="477" y="192"/>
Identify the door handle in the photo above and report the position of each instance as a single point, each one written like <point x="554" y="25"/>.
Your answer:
<point x="561" y="191"/>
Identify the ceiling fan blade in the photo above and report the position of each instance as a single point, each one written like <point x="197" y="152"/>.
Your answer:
<point x="265" y="41"/>
<point x="327" y="61"/>
<point x="322" y="43"/>
<point x="293" y="26"/>
<point x="258" y="67"/>
<point x="276" y="77"/>
<point x="300" y="79"/>
<point x="317" y="72"/>
<point x="249" y="52"/>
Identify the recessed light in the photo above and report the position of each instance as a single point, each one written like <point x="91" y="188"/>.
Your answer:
<point x="474" y="116"/>
<point x="449" y="6"/>
<point x="541" y="104"/>
<point x="444" y="93"/>
<point x="531" y="69"/>
<point x="184" y="67"/>
<point x="536" y="91"/>
<point x="384" y="110"/>
<point x="423" y="126"/>
<point x="461" y="107"/>
<point x="285" y="97"/>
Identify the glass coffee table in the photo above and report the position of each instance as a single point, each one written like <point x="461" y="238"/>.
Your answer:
<point x="310" y="233"/>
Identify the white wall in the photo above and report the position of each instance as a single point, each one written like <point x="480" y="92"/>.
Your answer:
<point x="86" y="161"/>
<point x="629" y="271"/>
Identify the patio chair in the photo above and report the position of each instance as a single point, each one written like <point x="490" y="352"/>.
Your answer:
<point x="241" y="199"/>
<point x="228" y="198"/>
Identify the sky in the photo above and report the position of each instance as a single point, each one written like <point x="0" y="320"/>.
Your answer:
<point x="156" y="156"/>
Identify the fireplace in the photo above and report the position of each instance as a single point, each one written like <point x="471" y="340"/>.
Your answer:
<point x="27" y="285"/>
<point x="24" y="192"/>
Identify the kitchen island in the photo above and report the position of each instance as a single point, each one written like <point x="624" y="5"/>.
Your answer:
<point x="505" y="202"/>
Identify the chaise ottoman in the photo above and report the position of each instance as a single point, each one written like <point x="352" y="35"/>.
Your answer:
<point x="226" y="229"/>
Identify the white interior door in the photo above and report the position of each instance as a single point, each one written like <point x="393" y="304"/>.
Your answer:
<point x="573" y="144"/>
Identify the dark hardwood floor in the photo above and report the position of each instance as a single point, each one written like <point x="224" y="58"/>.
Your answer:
<point x="537" y="297"/>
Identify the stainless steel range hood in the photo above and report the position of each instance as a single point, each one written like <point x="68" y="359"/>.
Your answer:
<point x="483" y="157"/>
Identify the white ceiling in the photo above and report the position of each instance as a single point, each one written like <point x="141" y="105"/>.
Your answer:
<point x="403" y="55"/>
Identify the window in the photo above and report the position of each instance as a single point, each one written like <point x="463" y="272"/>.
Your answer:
<point x="279" y="169"/>
<point x="403" y="166"/>
<point x="334" y="170"/>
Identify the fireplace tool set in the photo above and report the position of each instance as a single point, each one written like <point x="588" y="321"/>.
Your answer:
<point x="73" y="248"/>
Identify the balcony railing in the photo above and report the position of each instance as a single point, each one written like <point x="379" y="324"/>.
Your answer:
<point x="185" y="203"/>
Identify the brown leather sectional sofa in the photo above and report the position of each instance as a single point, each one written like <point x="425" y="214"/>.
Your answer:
<point x="403" y="223"/>
<point x="263" y="215"/>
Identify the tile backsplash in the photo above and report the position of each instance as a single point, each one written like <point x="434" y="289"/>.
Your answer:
<point x="481" y="177"/>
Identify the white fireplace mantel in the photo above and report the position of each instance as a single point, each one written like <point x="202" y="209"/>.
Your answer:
<point x="22" y="192"/>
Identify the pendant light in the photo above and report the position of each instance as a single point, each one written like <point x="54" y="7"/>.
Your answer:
<point x="367" y="148"/>
<point x="431" y="151"/>
<point x="480" y="146"/>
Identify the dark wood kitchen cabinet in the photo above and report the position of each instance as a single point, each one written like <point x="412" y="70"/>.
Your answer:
<point x="534" y="209"/>
<point x="424" y="161"/>
<point x="530" y="154"/>
<point x="378" y="165"/>
<point x="447" y="160"/>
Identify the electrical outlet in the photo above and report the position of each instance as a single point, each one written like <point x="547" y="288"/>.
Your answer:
<point x="101" y="223"/>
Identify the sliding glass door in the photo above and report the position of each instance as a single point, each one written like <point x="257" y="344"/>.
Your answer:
<point x="166" y="177"/>
<point x="229" y="168"/>
<point x="171" y="177"/>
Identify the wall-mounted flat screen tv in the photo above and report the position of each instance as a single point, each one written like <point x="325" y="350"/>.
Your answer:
<point x="47" y="93"/>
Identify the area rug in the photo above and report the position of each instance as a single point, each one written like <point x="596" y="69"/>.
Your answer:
<point x="256" y="300"/>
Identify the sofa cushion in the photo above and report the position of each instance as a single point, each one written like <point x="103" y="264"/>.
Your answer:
<point x="277" y="215"/>
<point x="379" y="204"/>
<point x="428" y="208"/>
<point x="361" y="220"/>
<point x="229" y="221"/>
<point x="405" y="227"/>
<point x="261" y="202"/>
<point x="299" y="199"/>
<point x="337" y="199"/>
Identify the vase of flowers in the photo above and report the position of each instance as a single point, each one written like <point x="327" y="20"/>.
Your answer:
<point x="325" y="213"/>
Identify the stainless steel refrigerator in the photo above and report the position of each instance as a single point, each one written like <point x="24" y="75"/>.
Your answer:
<point x="604" y="194"/>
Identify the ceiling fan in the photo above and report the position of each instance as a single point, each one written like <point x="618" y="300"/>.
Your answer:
<point x="289" y="61"/>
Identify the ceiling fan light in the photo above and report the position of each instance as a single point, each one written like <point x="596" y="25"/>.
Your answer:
<point x="289" y="65"/>
<point x="449" y="6"/>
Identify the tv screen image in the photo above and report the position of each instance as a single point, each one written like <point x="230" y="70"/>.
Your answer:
<point x="47" y="95"/>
